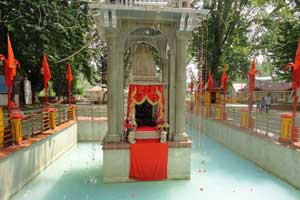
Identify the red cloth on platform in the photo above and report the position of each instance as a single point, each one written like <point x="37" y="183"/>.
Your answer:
<point x="148" y="160"/>
<point x="146" y="128"/>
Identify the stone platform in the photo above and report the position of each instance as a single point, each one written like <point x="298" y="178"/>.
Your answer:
<point x="116" y="161"/>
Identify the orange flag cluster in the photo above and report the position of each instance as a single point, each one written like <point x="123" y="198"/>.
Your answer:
<point x="11" y="65"/>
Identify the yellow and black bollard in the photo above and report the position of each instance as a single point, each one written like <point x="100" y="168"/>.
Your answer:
<point x="52" y="113"/>
<point x="17" y="128"/>
<point x="220" y="115"/>
<point x="73" y="112"/>
<point x="244" y="118"/>
<point x="1" y="127"/>
<point x="286" y="127"/>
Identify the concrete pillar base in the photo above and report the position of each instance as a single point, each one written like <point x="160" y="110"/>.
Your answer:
<point x="112" y="138"/>
<point x="181" y="137"/>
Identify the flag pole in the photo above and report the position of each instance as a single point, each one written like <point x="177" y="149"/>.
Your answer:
<point x="295" y="128"/>
<point x="8" y="98"/>
<point x="46" y="98"/>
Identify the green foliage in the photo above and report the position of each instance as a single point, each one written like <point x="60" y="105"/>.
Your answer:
<point x="227" y="41"/>
<point x="239" y="29"/>
<point x="57" y="27"/>
<point x="281" y="31"/>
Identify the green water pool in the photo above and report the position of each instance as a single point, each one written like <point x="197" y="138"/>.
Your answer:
<point x="217" y="174"/>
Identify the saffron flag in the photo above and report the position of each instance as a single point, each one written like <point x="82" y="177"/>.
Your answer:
<point x="296" y="71"/>
<point x="69" y="73"/>
<point x="192" y="86"/>
<point x="253" y="66"/>
<point x="224" y="79"/>
<point x="10" y="60"/>
<point x="69" y="78"/>
<point x="45" y="71"/>
<point x="252" y="73"/>
<point x="210" y="81"/>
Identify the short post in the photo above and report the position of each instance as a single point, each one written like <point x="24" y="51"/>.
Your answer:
<point x="286" y="127"/>
<point x="17" y="128"/>
<point x="73" y="112"/>
<point x="1" y="127"/>
<point x="207" y="108"/>
<point x="220" y="115"/>
<point x="244" y="118"/>
<point x="52" y="113"/>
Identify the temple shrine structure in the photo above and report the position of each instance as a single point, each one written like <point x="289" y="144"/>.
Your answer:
<point x="147" y="54"/>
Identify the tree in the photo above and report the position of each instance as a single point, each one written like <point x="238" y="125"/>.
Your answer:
<point x="279" y="32"/>
<point x="58" y="28"/>
<point x="227" y="39"/>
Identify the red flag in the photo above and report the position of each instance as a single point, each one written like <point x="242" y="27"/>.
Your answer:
<point x="69" y="73"/>
<point x="224" y="79"/>
<point x="253" y="66"/>
<point x="296" y="71"/>
<point x="69" y="78"/>
<point x="297" y="58"/>
<point x="210" y="81"/>
<point x="252" y="73"/>
<point x="11" y="59"/>
<point x="45" y="71"/>
<point x="192" y="86"/>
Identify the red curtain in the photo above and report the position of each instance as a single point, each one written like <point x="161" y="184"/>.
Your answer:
<point x="138" y="94"/>
<point x="148" y="160"/>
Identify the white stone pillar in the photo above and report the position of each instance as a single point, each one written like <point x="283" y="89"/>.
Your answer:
<point x="115" y="98"/>
<point x="165" y="78"/>
<point x="172" y="92"/>
<point x="181" y="41"/>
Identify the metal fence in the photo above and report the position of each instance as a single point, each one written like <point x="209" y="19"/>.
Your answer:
<point x="268" y="124"/>
<point x="91" y="110"/>
<point x="33" y="122"/>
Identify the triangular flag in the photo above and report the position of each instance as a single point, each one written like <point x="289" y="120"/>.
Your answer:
<point x="224" y="78"/>
<point x="297" y="58"/>
<point x="69" y="73"/>
<point x="210" y="81"/>
<point x="46" y="71"/>
<point x="10" y="59"/>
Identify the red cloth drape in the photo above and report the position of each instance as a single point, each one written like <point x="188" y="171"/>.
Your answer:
<point x="138" y="94"/>
<point x="148" y="160"/>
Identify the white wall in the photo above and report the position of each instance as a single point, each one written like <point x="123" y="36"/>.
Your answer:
<point x="19" y="168"/>
<point x="3" y="99"/>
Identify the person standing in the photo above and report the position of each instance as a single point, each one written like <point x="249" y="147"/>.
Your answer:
<point x="268" y="102"/>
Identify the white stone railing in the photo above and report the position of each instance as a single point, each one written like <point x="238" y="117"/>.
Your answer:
<point x="161" y="3"/>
